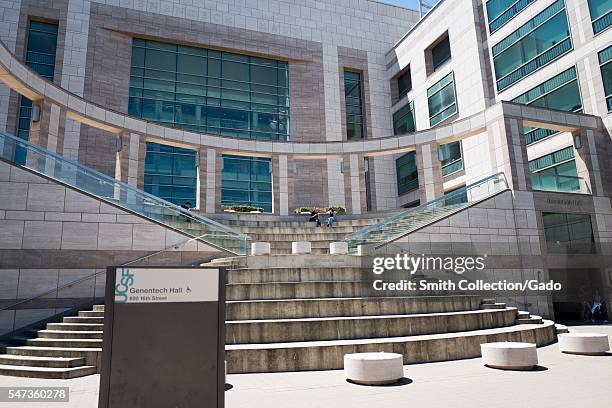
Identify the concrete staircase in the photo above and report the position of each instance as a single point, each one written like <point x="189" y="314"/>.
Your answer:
<point x="64" y="350"/>
<point x="304" y="312"/>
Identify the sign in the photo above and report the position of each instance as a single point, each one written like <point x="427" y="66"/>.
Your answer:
<point x="164" y="338"/>
<point x="165" y="285"/>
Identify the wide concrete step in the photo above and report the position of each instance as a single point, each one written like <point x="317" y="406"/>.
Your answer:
<point x="75" y="326"/>
<point x="302" y="222"/>
<point x="267" y="275"/>
<point x="98" y="308"/>
<point x="530" y="320"/>
<point x="363" y="327"/>
<point x="489" y="306"/>
<point x="47" y="372"/>
<point x="70" y="334"/>
<point x="336" y="307"/>
<point x="287" y="251"/>
<point x="56" y="362"/>
<point x="91" y="313"/>
<point x="313" y="290"/>
<point x="69" y="343"/>
<point x="309" y="228"/>
<point x="82" y="319"/>
<point x="329" y="355"/>
<point x="92" y="355"/>
<point x="319" y="234"/>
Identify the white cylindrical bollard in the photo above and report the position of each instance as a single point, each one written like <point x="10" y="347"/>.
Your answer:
<point x="584" y="343"/>
<point x="260" y="248"/>
<point x="301" y="247"/>
<point x="338" y="248"/>
<point x="373" y="368"/>
<point x="509" y="355"/>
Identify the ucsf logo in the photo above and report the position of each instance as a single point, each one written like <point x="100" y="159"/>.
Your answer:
<point x="121" y="289"/>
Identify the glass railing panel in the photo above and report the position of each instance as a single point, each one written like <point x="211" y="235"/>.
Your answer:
<point x="121" y="194"/>
<point x="399" y="225"/>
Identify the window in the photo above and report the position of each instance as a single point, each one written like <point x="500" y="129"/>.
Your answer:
<point x="407" y="175"/>
<point x="560" y="92"/>
<point x="440" y="53"/>
<point x="353" y="97"/>
<point x="247" y="181"/>
<point x="404" y="84"/>
<point x="171" y="173"/>
<point x="40" y="57"/>
<point x="441" y="100"/>
<point x="450" y="158"/>
<point x="568" y="233"/>
<point x="601" y="14"/>
<point x="605" y="62"/>
<point x="456" y="196"/>
<point x="403" y="120"/>
<point x="368" y="183"/>
<point x="412" y="204"/>
<point x="499" y="12"/>
<point x="535" y="44"/>
<point x="209" y="91"/>
<point x="555" y="172"/>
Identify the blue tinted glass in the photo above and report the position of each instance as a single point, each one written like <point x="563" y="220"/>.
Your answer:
<point x="209" y="91"/>
<point x="246" y="181"/>
<point x="171" y="173"/>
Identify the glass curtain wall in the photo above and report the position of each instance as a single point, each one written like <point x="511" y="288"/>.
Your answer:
<point x="568" y="233"/>
<point x="535" y="44"/>
<point x="601" y="14"/>
<point x="555" y="172"/>
<point x="404" y="84"/>
<point x="171" y="173"/>
<point x="499" y="12"/>
<point x="353" y="97"/>
<point x="560" y="92"/>
<point x="450" y="158"/>
<point x="605" y="63"/>
<point x="209" y="91"/>
<point x="441" y="100"/>
<point x="247" y="180"/>
<point x="407" y="174"/>
<point x="403" y="119"/>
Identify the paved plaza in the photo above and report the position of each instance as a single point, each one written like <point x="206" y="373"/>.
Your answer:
<point x="561" y="381"/>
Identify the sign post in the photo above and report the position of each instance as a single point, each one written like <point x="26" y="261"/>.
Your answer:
<point x="164" y="338"/>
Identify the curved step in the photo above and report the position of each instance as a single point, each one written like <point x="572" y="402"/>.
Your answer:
<point x="47" y="372"/>
<point x="56" y="362"/>
<point x="363" y="327"/>
<point x="69" y="343"/>
<point x="82" y="319"/>
<point x="328" y="355"/>
<point x="75" y="326"/>
<point x="91" y="355"/>
<point x="70" y="334"/>
<point x="313" y="290"/>
<point x="333" y="307"/>
<point x="283" y="274"/>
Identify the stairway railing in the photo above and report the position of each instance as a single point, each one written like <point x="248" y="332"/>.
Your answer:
<point x="71" y="173"/>
<point x="392" y="228"/>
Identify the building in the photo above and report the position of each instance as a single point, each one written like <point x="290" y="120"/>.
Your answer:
<point x="503" y="114"/>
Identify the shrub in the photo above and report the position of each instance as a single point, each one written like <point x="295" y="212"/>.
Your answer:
<point x="243" y="208"/>
<point x="337" y="208"/>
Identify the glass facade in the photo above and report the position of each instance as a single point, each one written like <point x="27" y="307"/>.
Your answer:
<point x="441" y="100"/>
<point x="40" y="57"/>
<point x="450" y="158"/>
<point x="404" y="84"/>
<point x="456" y="196"/>
<point x="403" y="120"/>
<point x="535" y="44"/>
<point x="171" y="173"/>
<point x="407" y="174"/>
<point x="568" y="233"/>
<point x="499" y="12"/>
<point x="353" y="97"/>
<point x="209" y="91"/>
<point x="247" y="180"/>
<point x="560" y="92"/>
<point x="601" y="14"/>
<point x="440" y="53"/>
<point x="605" y="62"/>
<point x="555" y="172"/>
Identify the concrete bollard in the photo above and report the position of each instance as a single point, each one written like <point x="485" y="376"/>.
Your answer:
<point x="373" y="368"/>
<point x="584" y="343"/>
<point x="260" y="248"/>
<point x="301" y="247"/>
<point x="338" y="248"/>
<point x="509" y="355"/>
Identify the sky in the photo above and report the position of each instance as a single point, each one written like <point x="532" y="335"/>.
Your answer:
<point x="413" y="4"/>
